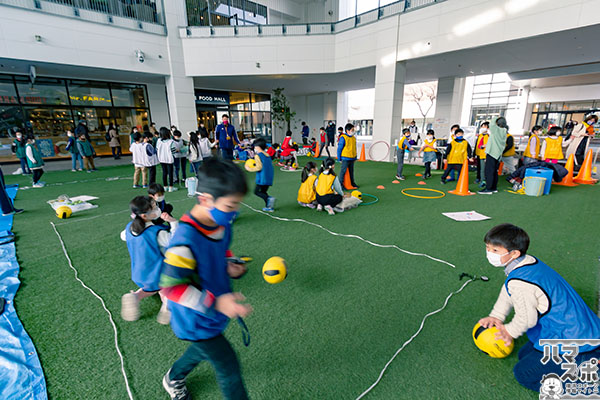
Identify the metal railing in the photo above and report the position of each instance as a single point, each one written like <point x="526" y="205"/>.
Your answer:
<point x="145" y="15"/>
<point x="313" y="28"/>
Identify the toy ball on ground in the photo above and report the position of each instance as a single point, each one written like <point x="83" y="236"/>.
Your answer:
<point x="294" y="165"/>
<point x="63" y="212"/>
<point x="356" y="194"/>
<point x="274" y="270"/>
<point x="250" y="164"/>
<point x="485" y="340"/>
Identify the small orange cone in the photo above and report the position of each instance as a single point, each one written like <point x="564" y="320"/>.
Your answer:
<point x="395" y="181"/>
<point x="421" y="183"/>
<point x="363" y="156"/>
<point x="418" y="174"/>
<point x="347" y="182"/>
<point x="500" y="168"/>
<point x="462" y="187"/>
<point x="568" y="180"/>
<point x="381" y="187"/>
<point x="585" y="173"/>
<point x="317" y="150"/>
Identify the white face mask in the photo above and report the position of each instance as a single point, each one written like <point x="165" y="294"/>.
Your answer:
<point x="19" y="136"/>
<point x="159" y="199"/>
<point x="495" y="259"/>
<point x="154" y="214"/>
<point x="326" y="172"/>
<point x="430" y="138"/>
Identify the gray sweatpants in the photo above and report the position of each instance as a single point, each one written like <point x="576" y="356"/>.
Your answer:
<point x="400" y="156"/>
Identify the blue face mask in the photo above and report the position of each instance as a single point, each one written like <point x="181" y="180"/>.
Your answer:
<point x="221" y="217"/>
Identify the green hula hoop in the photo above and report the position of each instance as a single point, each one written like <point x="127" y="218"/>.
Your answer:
<point x="376" y="199"/>
<point x="442" y="194"/>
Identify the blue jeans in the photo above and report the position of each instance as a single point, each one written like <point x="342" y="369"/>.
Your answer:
<point x="194" y="166"/>
<point x="24" y="167"/>
<point x="74" y="158"/>
<point x="529" y="370"/>
<point x="220" y="354"/>
<point x="180" y="164"/>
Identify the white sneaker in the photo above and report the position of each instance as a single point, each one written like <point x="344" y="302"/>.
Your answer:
<point x="319" y="207"/>
<point x="37" y="185"/>
<point x="173" y="189"/>
<point x="338" y="209"/>
<point x="164" y="316"/>
<point x="130" y="307"/>
<point x="329" y="210"/>
<point x="176" y="389"/>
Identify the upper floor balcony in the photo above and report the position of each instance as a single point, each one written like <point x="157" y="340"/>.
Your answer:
<point x="141" y="15"/>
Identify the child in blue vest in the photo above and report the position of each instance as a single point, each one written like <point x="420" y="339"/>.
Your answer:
<point x="196" y="280"/>
<point x="264" y="173"/>
<point x="545" y="306"/>
<point x="157" y="192"/>
<point x="146" y="242"/>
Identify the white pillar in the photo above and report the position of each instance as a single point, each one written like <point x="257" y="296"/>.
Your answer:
<point x="341" y="114"/>
<point x="448" y="106"/>
<point x="389" y="95"/>
<point x="180" y="88"/>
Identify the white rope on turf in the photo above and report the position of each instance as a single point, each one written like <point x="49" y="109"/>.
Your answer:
<point x="103" y="305"/>
<point x="412" y="337"/>
<point x="389" y="246"/>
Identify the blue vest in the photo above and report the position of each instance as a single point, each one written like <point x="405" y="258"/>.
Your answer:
<point x="568" y="316"/>
<point x="265" y="175"/>
<point x="210" y="274"/>
<point x="146" y="258"/>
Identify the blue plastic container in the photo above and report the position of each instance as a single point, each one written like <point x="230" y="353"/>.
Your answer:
<point x="541" y="173"/>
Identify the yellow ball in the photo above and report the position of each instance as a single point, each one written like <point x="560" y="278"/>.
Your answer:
<point x="485" y="340"/>
<point x="63" y="212"/>
<point x="356" y="194"/>
<point x="274" y="270"/>
<point x="250" y="164"/>
<point x="294" y="165"/>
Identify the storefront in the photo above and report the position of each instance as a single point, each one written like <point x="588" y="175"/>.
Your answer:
<point x="249" y="113"/>
<point x="50" y="106"/>
<point x="560" y="113"/>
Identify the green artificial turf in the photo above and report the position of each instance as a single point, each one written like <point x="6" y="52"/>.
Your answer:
<point x="328" y="330"/>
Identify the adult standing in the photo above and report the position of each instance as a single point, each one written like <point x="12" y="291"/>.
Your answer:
<point x="580" y="138"/>
<point x="493" y="154"/>
<point x="226" y="137"/>
<point x="7" y="206"/>
<point x="82" y="129"/>
<point x="330" y="130"/>
<point x="152" y="129"/>
<point x="202" y="132"/>
<point x="115" y="141"/>
<point x="414" y="130"/>
<point x="305" y="133"/>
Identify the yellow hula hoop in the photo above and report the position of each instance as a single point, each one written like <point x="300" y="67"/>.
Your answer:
<point x="423" y="197"/>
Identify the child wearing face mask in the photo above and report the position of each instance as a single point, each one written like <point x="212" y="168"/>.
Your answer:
<point x="35" y="162"/>
<point x="346" y="153"/>
<point x="196" y="278"/>
<point x="480" y="144"/>
<point x="403" y="146"/>
<point x="428" y="149"/>
<point x="545" y="306"/>
<point x="72" y="148"/>
<point x="146" y="242"/>
<point x="157" y="192"/>
<point x="458" y="150"/>
<point x="264" y="174"/>
<point x="18" y="148"/>
<point x="552" y="147"/>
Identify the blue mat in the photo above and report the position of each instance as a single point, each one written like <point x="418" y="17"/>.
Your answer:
<point x="21" y="375"/>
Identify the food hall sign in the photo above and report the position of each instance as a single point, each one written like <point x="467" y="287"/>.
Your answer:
<point x="219" y="98"/>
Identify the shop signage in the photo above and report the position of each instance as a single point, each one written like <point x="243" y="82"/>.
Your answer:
<point x="46" y="147"/>
<point x="218" y="98"/>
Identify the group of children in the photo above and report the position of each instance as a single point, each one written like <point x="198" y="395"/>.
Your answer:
<point x="171" y="152"/>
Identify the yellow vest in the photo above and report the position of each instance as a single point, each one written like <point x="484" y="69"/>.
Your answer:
<point x="432" y="143"/>
<point x="554" y="149"/>
<point x="325" y="184"/>
<point x="528" y="152"/>
<point x="458" y="152"/>
<point x="481" y="152"/>
<point x="511" y="151"/>
<point x="306" y="193"/>
<point x="401" y="141"/>
<point x="349" y="150"/>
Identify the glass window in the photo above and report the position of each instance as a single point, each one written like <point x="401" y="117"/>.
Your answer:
<point x="84" y="93"/>
<point x="261" y="122"/>
<point x="43" y="92"/>
<point x="241" y="121"/>
<point x="261" y="102"/>
<point x="197" y="12"/>
<point x="128" y="95"/>
<point x="237" y="98"/>
<point x="8" y="93"/>
<point x="48" y="121"/>
<point x="10" y="117"/>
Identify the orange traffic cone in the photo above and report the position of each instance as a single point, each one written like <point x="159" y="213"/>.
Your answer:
<point x="462" y="187"/>
<point x="363" y="156"/>
<point x="500" y="168"/>
<point x="317" y="150"/>
<point x="585" y="173"/>
<point x="348" y="182"/>
<point x="568" y="180"/>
